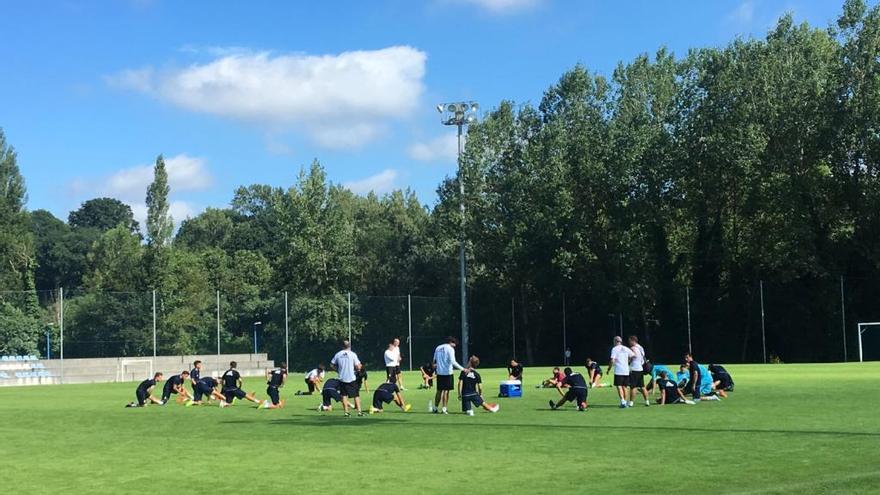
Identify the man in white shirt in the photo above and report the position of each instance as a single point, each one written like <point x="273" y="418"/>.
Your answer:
<point x="344" y="362"/>
<point x="637" y="371"/>
<point x="313" y="380"/>
<point x="392" y="363"/>
<point x="620" y="359"/>
<point x="445" y="363"/>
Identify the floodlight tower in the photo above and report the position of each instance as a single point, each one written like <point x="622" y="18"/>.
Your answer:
<point x="461" y="114"/>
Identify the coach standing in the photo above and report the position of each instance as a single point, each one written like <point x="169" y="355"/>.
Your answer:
<point x="620" y="358"/>
<point x="392" y="362"/>
<point x="344" y="363"/>
<point x="445" y="363"/>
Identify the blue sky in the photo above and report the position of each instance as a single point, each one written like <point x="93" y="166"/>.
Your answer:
<point x="235" y="93"/>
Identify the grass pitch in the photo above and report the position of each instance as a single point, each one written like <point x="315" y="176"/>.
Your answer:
<point x="786" y="429"/>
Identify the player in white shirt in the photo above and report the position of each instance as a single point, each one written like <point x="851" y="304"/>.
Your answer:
<point x="392" y="363"/>
<point x="445" y="363"/>
<point x="313" y="381"/>
<point x="345" y="362"/>
<point x="637" y="371"/>
<point x="620" y="359"/>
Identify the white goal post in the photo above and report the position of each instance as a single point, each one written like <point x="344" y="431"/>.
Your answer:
<point x="862" y="328"/>
<point x="125" y="363"/>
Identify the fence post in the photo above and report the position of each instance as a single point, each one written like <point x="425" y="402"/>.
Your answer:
<point x="286" y="332"/>
<point x="564" y="333"/>
<point x="154" y="323"/>
<point x="763" y="328"/>
<point x="687" y="292"/>
<point x="843" y="319"/>
<point x="409" y="325"/>
<point x="349" y="317"/>
<point x="513" y="324"/>
<point x="61" y="327"/>
<point x="218" y="328"/>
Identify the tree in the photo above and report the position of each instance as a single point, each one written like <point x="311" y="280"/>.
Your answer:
<point x="160" y="225"/>
<point x="103" y="214"/>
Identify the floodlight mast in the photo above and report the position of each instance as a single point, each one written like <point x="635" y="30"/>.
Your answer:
<point x="460" y="114"/>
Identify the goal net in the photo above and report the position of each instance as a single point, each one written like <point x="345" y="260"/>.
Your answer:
<point x="134" y="369"/>
<point x="875" y="333"/>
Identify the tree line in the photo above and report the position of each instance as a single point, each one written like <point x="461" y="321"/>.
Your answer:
<point x="674" y="178"/>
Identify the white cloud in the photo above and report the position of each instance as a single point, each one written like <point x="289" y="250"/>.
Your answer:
<point x="443" y="147"/>
<point x="380" y="183"/>
<point x="502" y="6"/>
<point x="179" y="211"/>
<point x="185" y="173"/>
<point x="338" y="101"/>
<point x="744" y="13"/>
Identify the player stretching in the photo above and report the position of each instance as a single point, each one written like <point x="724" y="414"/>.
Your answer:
<point x="669" y="391"/>
<point x="275" y="380"/>
<point x="232" y="387"/>
<point x="470" y="389"/>
<point x="142" y="393"/>
<point x="577" y="391"/>
<point x="428" y="372"/>
<point x="445" y="363"/>
<point x="174" y="385"/>
<point x="595" y="373"/>
<point x="387" y="393"/>
<point x="332" y="390"/>
<point x="209" y="387"/>
<point x="195" y="374"/>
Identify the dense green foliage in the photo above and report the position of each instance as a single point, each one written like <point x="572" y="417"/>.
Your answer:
<point x="783" y="431"/>
<point x="623" y="197"/>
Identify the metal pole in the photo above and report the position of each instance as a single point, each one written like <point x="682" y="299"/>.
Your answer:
<point x="564" y="332"/>
<point x="861" y="357"/>
<point x="218" y="328"/>
<point x="687" y="291"/>
<point x="409" y="325"/>
<point x="48" y="344"/>
<point x="286" y="332"/>
<point x="620" y="317"/>
<point x="461" y="255"/>
<point x="61" y="327"/>
<point x="843" y="319"/>
<point x="513" y="324"/>
<point x="154" y="323"/>
<point x="255" y="338"/>
<point x="349" y="317"/>
<point x="763" y="328"/>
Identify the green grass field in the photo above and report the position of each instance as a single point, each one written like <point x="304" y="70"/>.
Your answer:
<point x="786" y="429"/>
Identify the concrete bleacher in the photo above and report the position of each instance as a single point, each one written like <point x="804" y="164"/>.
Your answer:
<point x="28" y="370"/>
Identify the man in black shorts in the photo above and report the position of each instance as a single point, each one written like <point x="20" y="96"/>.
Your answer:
<point x="594" y="371"/>
<point x="428" y="372"/>
<point x="208" y="387"/>
<point x="470" y="389"/>
<point x="195" y="374"/>
<point x="174" y="385"/>
<point x="275" y="379"/>
<point x="142" y="392"/>
<point x="444" y="363"/>
<point x="387" y="393"/>
<point x="332" y="390"/>
<point x="669" y="391"/>
<point x="721" y="380"/>
<point x="232" y="387"/>
<point x="348" y="367"/>
<point x="577" y="390"/>
<point x="514" y="371"/>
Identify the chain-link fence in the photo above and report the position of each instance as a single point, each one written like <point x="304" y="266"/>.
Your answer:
<point x="766" y="321"/>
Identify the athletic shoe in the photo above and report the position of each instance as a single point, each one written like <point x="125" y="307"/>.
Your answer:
<point x="623" y="405"/>
<point x="444" y="411"/>
<point x="495" y="409"/>
<point x="407" y="407"/>
<point x="281" y="404"/>
<point x="360" y="413"/>
<point x="299" y="392"/>
<point x="373" y="410"/>
<point x="552" y="405"/>
<point x="469" y="413"/>
<point x="223" y="404"/>
<point x="647" y="403"/>
<point x="629" y="404"/>
<point x="689" y="402"/>
<point x="189" y="403"/>
<point x="347" y="415"/>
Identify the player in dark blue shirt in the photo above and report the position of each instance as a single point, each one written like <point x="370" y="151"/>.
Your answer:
<point x="577" y="390"/>
<point x="470" y="389"/>
<point x="232" y="387"/>
<point x="360" y="377"/>
<point x="142" y="393"/>
<point x="174" y="385"/>
<point x="195" y="374"/>
<point x="594" y="371"/>
<point x="332" y="390"/>
<point x="693" y="385"/>
<point x="721" y="380"/>
<point x="428" y="371"/>
<point x="208" y="387"/>
<point x="669" y="391"/>
<point x="275" y="379"/>
<point x="387" y="393"/>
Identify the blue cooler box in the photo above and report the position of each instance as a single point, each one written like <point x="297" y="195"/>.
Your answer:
<point x="510" y="389"/>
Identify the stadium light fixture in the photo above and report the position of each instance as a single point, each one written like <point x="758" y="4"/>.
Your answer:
<point x="256" y="324"/>
<point x="460" y="114"/>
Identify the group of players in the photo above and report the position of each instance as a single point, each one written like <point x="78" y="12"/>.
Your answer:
<point x="628" y="362"/>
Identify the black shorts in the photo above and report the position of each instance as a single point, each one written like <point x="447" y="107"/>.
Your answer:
<point x="381" y="397"/>
<point x="725" y="383"/>
<point x="330" y="394"/>
<point x="467" y="400"/>
<point x="234" y="393"/>
<point x="273" y="394"/>
<point x="621" y="380"/>
<point x="676" y="399"/>
<point x="392" y="370"/>
<point x="576" y="395"/>
<point x="351" y="389"/>
<point x="141" y="396"/>
<point x="636" y="379"/>
<point x="311" y="385"/>
<point x="444" y="382"/>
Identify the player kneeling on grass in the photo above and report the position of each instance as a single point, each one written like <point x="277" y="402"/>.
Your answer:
<point x="313" y="380"/>
<point x="208" y="387"/>
<point x="721" y="380"/>
<point x="174" y="385"/>
<point x="142" y="393"/>
<point x="275" y="380"/>
<point x="669" y="391"/>
<point x="555" y="381"/>
<point x="428" y="372"/>
<point x="577" y="391"/>
<point x="470" y="389"/>
<point x="386" y="393"/>
<point x="232" y="387"/>
<point x="332" y="391"/>
<point x="595" y="373"/>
